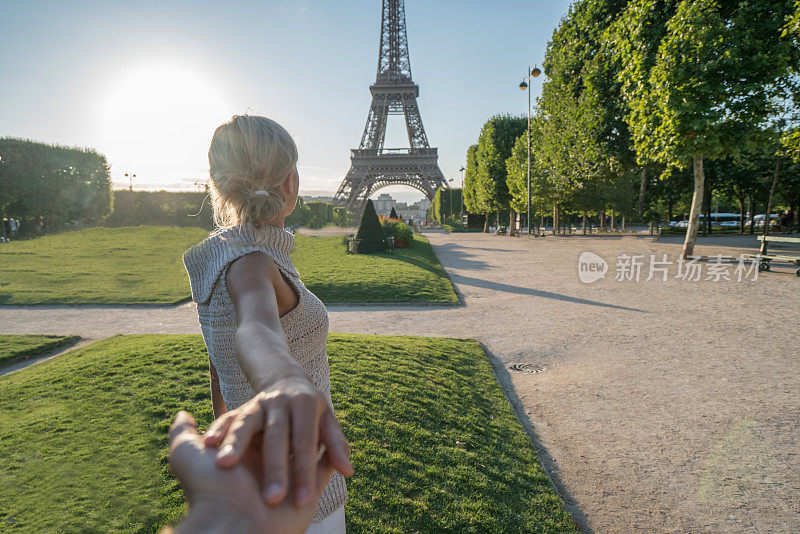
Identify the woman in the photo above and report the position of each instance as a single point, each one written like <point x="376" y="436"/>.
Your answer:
<point x="264" y="330"/>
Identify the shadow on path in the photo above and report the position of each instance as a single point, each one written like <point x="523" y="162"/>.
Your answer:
<point x="456" y="257"/>
<point x="496" y="286"/>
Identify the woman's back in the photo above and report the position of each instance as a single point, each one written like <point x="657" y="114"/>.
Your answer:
<point x="305" y="326"/>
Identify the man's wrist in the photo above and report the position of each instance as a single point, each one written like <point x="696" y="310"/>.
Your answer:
<point x="285" y="376"/>
<point x="216" y="518"/>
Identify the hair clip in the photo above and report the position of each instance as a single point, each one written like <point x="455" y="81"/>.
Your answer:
<point x="261" y="192"/>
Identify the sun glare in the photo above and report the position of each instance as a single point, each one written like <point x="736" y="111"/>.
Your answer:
<point x="158" y="121"/>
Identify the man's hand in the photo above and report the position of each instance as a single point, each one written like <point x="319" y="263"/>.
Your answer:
<point x="294" y="419"/>
<point x="228" y="500"/>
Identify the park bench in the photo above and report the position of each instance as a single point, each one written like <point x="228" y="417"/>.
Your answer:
<point x="764" y="258"/>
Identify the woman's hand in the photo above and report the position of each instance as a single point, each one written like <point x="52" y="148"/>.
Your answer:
<point x="228" y="500"/>
<point x="295" y="419"/>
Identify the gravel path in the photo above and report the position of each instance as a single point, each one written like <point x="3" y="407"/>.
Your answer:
<point x="657" y="406"/>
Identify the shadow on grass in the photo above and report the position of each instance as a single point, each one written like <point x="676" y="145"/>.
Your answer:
<point x="16" y="349"/>
<point x="420" y="254"/>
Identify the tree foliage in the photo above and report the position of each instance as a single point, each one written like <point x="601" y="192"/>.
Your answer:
<point x="637" y="92"/>
<point x="495" y="142"/>
<point x="59" y="183"/>
<point x="471" y="201"/>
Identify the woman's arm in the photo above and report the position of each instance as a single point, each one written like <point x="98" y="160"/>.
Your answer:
<point x="261" y="348"/>
<point x="292" y="413"/>
<point x="217" y="402"/>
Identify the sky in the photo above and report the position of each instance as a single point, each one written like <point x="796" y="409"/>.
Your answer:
<point x="146" y="83"/>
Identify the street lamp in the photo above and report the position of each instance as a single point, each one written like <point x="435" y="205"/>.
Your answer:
<point x="461" y="214"/>
<point x="523" y="86"/>
<point x="451" y="197"/>
<point x="131" y="177"/>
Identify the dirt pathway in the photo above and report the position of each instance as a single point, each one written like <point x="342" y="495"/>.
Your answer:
<point x="662" y="406"/>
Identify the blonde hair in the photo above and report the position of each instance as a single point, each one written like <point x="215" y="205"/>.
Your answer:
<point x="248" y="154"/>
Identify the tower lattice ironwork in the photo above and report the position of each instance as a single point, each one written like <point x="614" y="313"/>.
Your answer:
<point x="374" y="166"/>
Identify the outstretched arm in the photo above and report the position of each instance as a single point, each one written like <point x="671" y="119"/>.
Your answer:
<point x="292" y="413"/>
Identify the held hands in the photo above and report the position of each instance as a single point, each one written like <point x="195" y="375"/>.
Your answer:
<point x="294" y="419"/>
<point x="228" y="500"/>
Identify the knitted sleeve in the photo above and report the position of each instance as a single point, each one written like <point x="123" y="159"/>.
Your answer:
<point x="207" y="262"/>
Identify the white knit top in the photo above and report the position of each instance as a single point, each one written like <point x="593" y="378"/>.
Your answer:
<point x="305" y="326"/>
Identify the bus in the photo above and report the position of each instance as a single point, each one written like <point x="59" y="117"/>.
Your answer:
<point x="717" y="220"/>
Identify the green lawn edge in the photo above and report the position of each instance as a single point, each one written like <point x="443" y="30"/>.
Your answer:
<point x="436" y="446"/>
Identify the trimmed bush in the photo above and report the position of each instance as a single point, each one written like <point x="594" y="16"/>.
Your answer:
<point x="393" y="214"/>
<point x="370" y="237"/>
<point x="402" y="233"/>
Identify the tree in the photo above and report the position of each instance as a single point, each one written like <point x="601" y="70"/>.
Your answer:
<point x="393" y="214"/>
<point x="472" y="202"/>
<point x="61" y="184"/>
<point x="495" y="142"/>
<point x="517" y="177"/>
<point x="370" y="237"/>
<point x="582" y="140"/>
<point x="791" y="137"/>
<point x="712" y="84"/>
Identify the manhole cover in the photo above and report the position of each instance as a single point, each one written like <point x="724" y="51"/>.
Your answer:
<point x="526" y="368"/>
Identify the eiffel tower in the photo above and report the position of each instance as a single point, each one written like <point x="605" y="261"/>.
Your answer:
<point x="373" y="166"/>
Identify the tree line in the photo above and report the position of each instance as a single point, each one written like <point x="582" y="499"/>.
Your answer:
<point x="651" y="108"/>
<point x="55" y="187"/>
<point x="53" y="184"/>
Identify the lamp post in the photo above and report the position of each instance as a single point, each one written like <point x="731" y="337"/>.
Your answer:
<point x="461" y="170"/>
<point x="451" y="197"/>
<point x="531" y="72"/>
<point x="130" y="177"/>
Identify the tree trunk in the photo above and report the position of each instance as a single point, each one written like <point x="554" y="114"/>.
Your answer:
<point x="613" y="220"/>
<point x="767" y="219"/>
<point x="705" y="226"/>
<point x="741" y="214"/>
<point x="512" y="222"/>
<point x="697" y="205"/>
<point x="555" y="219"/>
<point x="642" y="191"/>
<point x="583" y="225"/>
<point x="486" y="223"/>
<point x="752" y="203"/>
<point x="670" y="205"/>
<point x="624" y="225"/>
<point x="602" y="221"/>
<point x="651" y="228"/>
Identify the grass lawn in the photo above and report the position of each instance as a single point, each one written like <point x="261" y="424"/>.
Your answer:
<point x="436" y="446"/>
<point x="411" y="274"/>
<point x="134" y="265"/>
<point x="143" y="265"/>
<point x="16" y="347"/>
